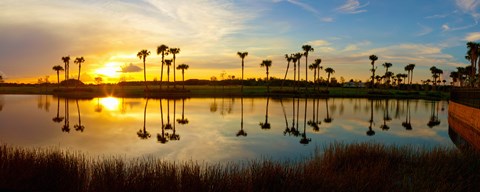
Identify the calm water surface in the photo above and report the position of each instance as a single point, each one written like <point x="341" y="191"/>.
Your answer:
<point x="217" y="129"/>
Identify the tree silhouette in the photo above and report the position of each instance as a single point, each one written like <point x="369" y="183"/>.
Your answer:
<point x="162" y="49"/>
<point x="306" y="49"/>
<point x="58" y="119"/>
<point x="267" y="64"/>
<point x="183" y="67"/>
<point x="168" y="63"/>
<point x="266" y="125"/>
<point x="317" y="67"/>
<point x="143" y="133"/>
<point x="329" y="71"/>
<point x="387" y="65"/>
<point x="289" y="59"/>
<point x="143" y="54"/>
<point x="242" y="55"/>
<point x="174" y="51"/>
<point x="410" y="68"/>
<point x="472" y="56"/>
<point x="241" y="132"/>
<point x="58" y="68"/>
<point x="79" y="61"/>
<point x="298" y="56"/>
<point x="373" y="58"/>
<point x="294" y="60"/>
<point x="183" y="120"/>
<point x="66" y="61"/>
<point x="79" y="126"/>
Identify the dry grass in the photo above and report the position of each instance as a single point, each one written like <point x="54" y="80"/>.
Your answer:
<point x="337" y="167"/>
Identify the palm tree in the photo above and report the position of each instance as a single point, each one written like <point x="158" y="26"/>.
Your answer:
<point x="298" y="56"/>
<point x="143" y="134"/>
<point x="163" y="49"/>
<point x="387" y="65"/>
<point x="79" y="126"/>
<point x="168" y="63"/>
<point x="267" y="64"/>
<point x="294" y="60"/>
<point x="143" y="55"/>
<point x="183" y="67"/>
<point x="66" y="61"/>
<point x="58" y="68"/>
<point x="306" y="48"/>
<point x="318" y="67"/>
<point x="472" y="56"/>
<point x="329" y="71"/>
<point x="462" y="72"/>
<point x="411" y="67"/>
<point x="289" y="59"/>
<point x="79" y="61"/>
<point x="373" y="58"/>
<point x="174" y="51"/>
<point x="242" y="55"/>
<point x="313" y="67"/>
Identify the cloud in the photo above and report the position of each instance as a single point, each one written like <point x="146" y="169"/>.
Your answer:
<point x="424" y="30"/>
<point x="318" y="43"/>
<point x="445" y="27"/>
<point x="475" y="36"/>
<point x="327" y="19"/>
<point x="303" y="6"/>
<point x="437" y="16"/>
<point x="130" y="68"/>
<point x="470" y="7"/>
<point x="352" y="7"/>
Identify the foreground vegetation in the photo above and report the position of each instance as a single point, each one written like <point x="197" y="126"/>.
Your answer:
<point x="339" y="167"/>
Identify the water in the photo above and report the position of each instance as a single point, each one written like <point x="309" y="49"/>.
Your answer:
<point x="211" y="128"/>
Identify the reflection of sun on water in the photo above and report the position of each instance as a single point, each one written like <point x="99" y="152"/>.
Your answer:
<point x="110" y="69"/>
<point x="110" y="103"/>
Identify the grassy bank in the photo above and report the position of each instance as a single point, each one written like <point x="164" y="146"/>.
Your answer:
<point x="341" y="167"/>
<point x="91" y="91"/>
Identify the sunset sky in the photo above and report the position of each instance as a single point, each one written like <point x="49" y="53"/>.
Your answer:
<point x="34" y="35"/>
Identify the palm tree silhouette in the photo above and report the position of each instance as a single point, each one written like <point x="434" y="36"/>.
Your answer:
<point x="472" y="56"/>
<point x="387" y="65"/>
<point x="162" y="49"/>
<point x="66" y="61"/>
<point x="58" y="119"/>
<point x="242" y="55"/>
<point x="66" y="125"/>
<point x="168" y="63"/>
<point x="58" y="68"/>
<point x="373" y="58"/>
<point x="298" y="56"/>
<point x="79" y="126"/>
<point x="316" y="68"/>
<point x="161" y="137"/>
<point x="174" y="51"/>
<point x="289" y="59"/>
<point x="306" y="48"/>
<point x="266" y="125"/>
<point x="241" y="132"/>
<point x="410" y="68"/>
<point x="183" y="120"/>
<point x="143" y="133"/>
<point x="386" y="116"/>
<point x="304" y="140"/>
<point x="79" y="61"/>
<point x="407" y="124"/>
<point x="267" y="64"/>
<point x="143" y="55"/>
<point x="328" y="119"/>
<point x="329" y="71"/>
<point x="370" y="132"/>
<point x="294" y="60"/>
<point x="183" y="67"/>
<point x="168" y="125"/>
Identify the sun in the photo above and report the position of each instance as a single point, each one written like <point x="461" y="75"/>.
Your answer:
<point x="110" y="69"/>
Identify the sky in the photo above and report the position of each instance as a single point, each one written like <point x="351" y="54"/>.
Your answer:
<point x="35" y="34"/>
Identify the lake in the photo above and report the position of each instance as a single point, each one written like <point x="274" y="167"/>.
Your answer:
<point x="217" y="129"/>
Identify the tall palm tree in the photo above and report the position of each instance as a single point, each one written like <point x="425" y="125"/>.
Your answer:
<point x="58" y="68"/>
<point x="294" y="60"/>
<point x="174" y="51"/>
<point x="306" y="48"/>
<point x="162" y="49"/>
<point x="411" y="67"/>
<point x="289" y="59"/>
<point x="329" y="71"/>
<point x="79" y="61"/>
<point x="313" y="67"/>
<point x="183" y="67"/>
<point x="267" y="64"/>
<point x="373" y="58"/>
<point x="387" y="65"/>
<point x="319" y="68"/>
<point x="143" y="54"/>
<point x="242" y="55"/>
<point x="298" y="56"/>
<point x="327" y="119"/>
<point x="66" y="61"/>
<point x="168" y="63"/>
<point x="472" y="56"/>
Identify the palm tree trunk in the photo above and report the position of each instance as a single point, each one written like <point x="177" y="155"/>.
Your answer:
<point x="294" y="75"/>
<point x="306" y="72"/>
<point x="183" y="78"/>
<point x="284" y="78"/>
<point x="168" y="77"/>
<point x="58" y="78"/>
<point x="174" y="80"/>
<point x="268" y="84"/>
<point x="242" y="74"/>
<point x="145" y="74"/>
<point x="161" y="72"/>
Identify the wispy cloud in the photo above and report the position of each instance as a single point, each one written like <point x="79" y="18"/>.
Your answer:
<point x="424" y="30"/>
<point x="302" y="5"/>
<point x="437" y="16"/>
<point x="318" y="43"/>
<point x="446" y="27"/>
<point x="353" y="7"/>
<point x="470" y="7"/>
<point x="327" y="19"/>
<point x="475" y="36"/>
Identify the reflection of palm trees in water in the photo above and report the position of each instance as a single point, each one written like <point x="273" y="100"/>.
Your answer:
<point x="266" y="125"/>
<point x="214" y="106"/>
<point x="328" y="119"/>
<point x="241" y="132"/>
<point x="57" y="119"/>
<point x="314" y="123"/>
<point x="161" y="137"/>
<point x="370" y="132"/>
<point x="386" y="117"/>
<point x="434" y="121"/>
<point x="142" y="133"/>
<point x="407" y="124"/>
<point x="168" y="125"/>
<point x="66" y="125"/>
<point x="304" y="140"/>
<point x="174" y="136"/>
<point x="183" y="120"/>
<point x="294" y="129"/>
<point x="79" y="126"/>
<point x="98" y="108"/>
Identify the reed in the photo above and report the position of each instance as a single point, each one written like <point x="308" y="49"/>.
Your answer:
<point x="336" y="167"/>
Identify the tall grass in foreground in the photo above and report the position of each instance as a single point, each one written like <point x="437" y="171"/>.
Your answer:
<point x="339" y="167"/>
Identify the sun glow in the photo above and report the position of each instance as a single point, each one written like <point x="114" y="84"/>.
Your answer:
<point x="110" y="69"/>
<point x="110" y="103"/>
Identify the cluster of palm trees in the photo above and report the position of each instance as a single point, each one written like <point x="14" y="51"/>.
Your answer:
<point x="389" y="76"/>
<point x="164" y="50"/>
<point x="472" y="56"/>
<point x="66" y="61"/>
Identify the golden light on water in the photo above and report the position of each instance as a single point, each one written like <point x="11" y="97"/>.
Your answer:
<point x="110" y="103"/>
